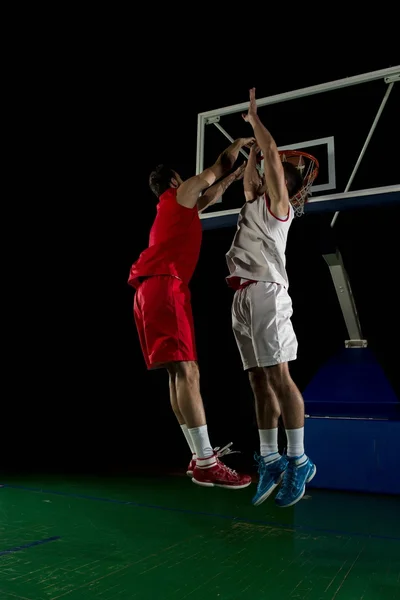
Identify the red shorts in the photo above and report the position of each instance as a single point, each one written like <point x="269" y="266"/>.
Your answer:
<point x="164" y="320"/>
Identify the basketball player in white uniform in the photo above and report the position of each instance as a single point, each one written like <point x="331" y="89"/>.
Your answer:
<point x="261" y="313"/>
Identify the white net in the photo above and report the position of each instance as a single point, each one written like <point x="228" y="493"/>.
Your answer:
<point x="308" y="167"/>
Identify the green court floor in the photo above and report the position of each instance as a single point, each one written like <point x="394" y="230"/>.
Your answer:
<point x="167" y="539"/>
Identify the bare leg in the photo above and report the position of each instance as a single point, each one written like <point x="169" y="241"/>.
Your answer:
<point x="267" y="406"/>
<point x="289" y="397"/>
<point x="179" y="416"/>
<point x="267" y="413"/>
<point x="172" y="395"/>
<point x="300" y="469"/>
<point x="190" y="407"/>
<point x="187" y="392"/>
<point x="207" y="470"/>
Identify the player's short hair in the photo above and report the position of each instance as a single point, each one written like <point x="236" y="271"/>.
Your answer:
<point x="293" y="178"/>
<point x="160" y="179"/>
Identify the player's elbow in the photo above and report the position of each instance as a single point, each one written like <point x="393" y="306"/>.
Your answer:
<point x="226" y="161"/>
<point x="198" y="183"/>
<point x="270" y="152"/>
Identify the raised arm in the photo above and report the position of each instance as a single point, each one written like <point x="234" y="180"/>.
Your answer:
<point x="214" y="193"/>
<point x="252" y="181"/>
<point x="273" y="169"/>
<point x="189" y="191"/>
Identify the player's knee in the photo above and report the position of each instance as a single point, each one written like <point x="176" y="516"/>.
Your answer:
<point x="187" y="371"/>
<point x="278" y="376"/>
<point x="257" y="377"/>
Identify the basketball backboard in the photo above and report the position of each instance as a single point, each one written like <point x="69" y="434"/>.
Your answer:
<point x="349" y="125"/>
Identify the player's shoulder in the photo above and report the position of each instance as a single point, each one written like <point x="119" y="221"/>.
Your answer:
<point x="275" y="216"/>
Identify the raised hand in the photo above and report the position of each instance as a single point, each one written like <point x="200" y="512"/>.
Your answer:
<point x="252" y="112"/>
<point x="255" y="149"/>
<point x="247" y="142"/>
<point x="230" y="155"/>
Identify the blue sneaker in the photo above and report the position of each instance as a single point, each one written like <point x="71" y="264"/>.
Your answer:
<point x="300" y="471"/>
<point x="270" y="476"/>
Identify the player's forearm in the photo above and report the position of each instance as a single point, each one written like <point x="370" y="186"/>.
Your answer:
<point x="214" y="193"/>
<point x="263" y="137"/>
<point x="251" y="180"/>
<point x="227" y="159"/>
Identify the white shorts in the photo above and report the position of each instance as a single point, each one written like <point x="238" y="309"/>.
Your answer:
<point x="261" y="323"/>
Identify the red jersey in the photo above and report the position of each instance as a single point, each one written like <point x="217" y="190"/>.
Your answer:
<point x="174" y="244"/>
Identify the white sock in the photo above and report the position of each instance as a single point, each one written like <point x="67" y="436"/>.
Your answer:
<point x="269" y="444"/>
<point x="202" y="446"/>
<point x="188" y="438"/>
<point x="295" y="442"/>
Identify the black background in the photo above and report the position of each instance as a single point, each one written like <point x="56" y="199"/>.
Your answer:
<point x="79" y="397"/>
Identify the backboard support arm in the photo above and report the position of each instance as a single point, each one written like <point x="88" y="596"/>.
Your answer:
<point x="347" y="303"/>
<point x="364" y="148"/>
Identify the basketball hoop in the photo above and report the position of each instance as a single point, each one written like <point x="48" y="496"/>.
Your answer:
<point x="308" y="166"/>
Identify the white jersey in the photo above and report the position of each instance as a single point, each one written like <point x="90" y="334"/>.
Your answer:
<point x="258" y="248"/>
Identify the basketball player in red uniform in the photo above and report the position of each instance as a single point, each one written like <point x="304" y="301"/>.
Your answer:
<point x="261" y="316"/>
<point x="162" y="306"/>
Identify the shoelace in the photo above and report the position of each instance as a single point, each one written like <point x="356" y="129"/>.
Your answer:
<point x="290" y="478"/>
<point x="260" y="462"/>
<point x="227" y="469"/>
<point x="220" y="452"/>
<point x="262" y="465"/>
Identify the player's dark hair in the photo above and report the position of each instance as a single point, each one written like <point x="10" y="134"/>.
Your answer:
<point x="160" y="179"/>
<point x="293" y="178"/>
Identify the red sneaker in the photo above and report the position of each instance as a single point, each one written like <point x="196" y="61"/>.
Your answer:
<point x="191" y="467"/>
<point x="218" y="452"/>
<point x="219" y="475"/>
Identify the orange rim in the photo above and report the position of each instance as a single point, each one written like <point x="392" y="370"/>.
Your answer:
<point x="308" y="179"/>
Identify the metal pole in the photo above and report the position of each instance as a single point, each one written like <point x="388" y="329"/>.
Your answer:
<point x="374" y="124"/>
<point x="200" y="145"/>
<point x="346" y="299"/>
<point x="226" y="134"/>
<point x="309" y="91"/>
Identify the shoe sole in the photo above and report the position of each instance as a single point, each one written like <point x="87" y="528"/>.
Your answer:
<point x="269" y="492"/>
<point x="221" y="485"/>
<point x="303" y="491"/>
